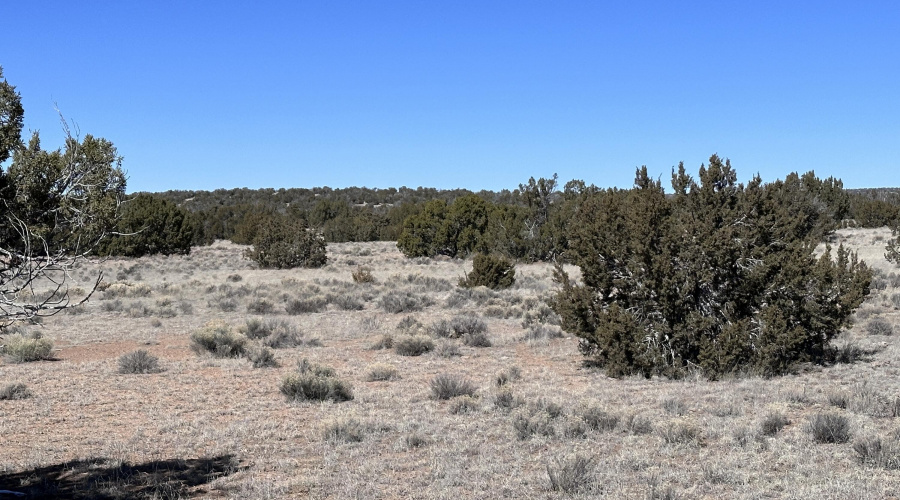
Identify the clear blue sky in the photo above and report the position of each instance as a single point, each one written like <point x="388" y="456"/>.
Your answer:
<point x="480" y="95"/>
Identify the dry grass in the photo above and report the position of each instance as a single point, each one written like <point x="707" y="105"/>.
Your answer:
<point x="659" y="438"/>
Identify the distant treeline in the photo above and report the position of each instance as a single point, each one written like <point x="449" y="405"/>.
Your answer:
<point x="528" y="223"/>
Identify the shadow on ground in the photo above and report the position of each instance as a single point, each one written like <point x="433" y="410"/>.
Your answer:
<point x="102" y="478"/>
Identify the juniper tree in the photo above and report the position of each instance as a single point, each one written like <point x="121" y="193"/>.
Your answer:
<point x="55" y="207"/>
<point x="719" y="277"/>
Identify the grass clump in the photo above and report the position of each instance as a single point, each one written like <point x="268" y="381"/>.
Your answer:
<point x="446" y="348"/>
<point x="447" y="386"/>
<point x="572" y="475"/>
<point x="773" y="423"/>
<point x="506" y="401"/>
<point x="413" y="345"/>
<point x="879" y="326"/>
<point x="14" y="391"/>
<point x="680" y="432"/>
<point x="261" y="357"/>
<point x="343" y="430"/>
<point x="527" y="423"/>
<point x="382" y="372"/>
<point x="463" y="404"/>
<point x="218" y="339"/>
<point x="25" y="347"/>
<point x="139" y="362"/>
<point x="314" y="382"/>
<point x="873" y="452"/>
<point x="598" y="419"/>
<point x="829" y="428"/>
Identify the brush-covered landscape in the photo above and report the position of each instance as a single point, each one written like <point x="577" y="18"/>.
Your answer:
<point x="582" y="298"/>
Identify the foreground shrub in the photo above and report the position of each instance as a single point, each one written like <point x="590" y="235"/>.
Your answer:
<point x="829" y="428"/>
<point x="316" y="383"/>
<point x="412" y="345"/>
<point x="218" y="339"/>
<point x="873" y="452"/>
<point x="14" y="391"/>
<point x="490" y="271"/>
<point x="139" y="362"/>
<point x="572" y="475"/>
<point x="26" y="347"/>
<point x="446" y="386"/>
<point x="306" y="306"/>
<point x="282" y="242"/>
<point x="718" y="275"/>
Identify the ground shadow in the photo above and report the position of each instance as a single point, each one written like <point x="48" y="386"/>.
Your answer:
<point x="105" y="479"/>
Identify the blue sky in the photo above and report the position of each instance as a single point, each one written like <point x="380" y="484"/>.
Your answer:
<point x="480" y="95"/>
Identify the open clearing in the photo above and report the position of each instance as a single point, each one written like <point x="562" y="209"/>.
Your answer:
<point x="641" y="438"/>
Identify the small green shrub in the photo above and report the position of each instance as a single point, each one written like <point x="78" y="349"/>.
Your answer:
<point x="491" y="271"/>
<point x="26" y="347"/>
<point x="446" y="386"/>
<point x="218" y="339"/>
<point x="413" y="345"/>
<point x="316" y="383"/>
<point x="283" y="243"/>
<point x="14" y="391"/>
<point x="139" y="362"/>
<point x="829" y="428"/>
<point x="572" y="475"/>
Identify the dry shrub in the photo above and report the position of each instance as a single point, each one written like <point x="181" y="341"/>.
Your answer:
<point x="261" y="356"/>
<point x="385" y="341"/>
<point x="507" y="401"/>
<point x="571" y="475"/>
<point x="260" y="306"/>
<point x="446" y="386"/>
<point x="773" y="423"/>
<point x="879" y="326"/>
<point x="598" y="419"/>
<point x="218" y="339"/>
<point x="680" y="432"/>
<point x="306" y="306"/>
<point x="362" y="275"/>
<point x="476" y="340"/>
<point x="139" y="362"/>
<point x="316" y="383"/>
<point x="873" y="452"/>
<point x="446" y="348"/>
<point x="527" y="423"/>
<point x="14" y="391"/>
<point x="829" y="428"/>
<point x="463" y="404"/>
<point x="413" y="345"/>
<point x="381" y="372"/>
<point x="397" y="302"/>
<point x="343" y="430"/>
<point x="25" y="347"/>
